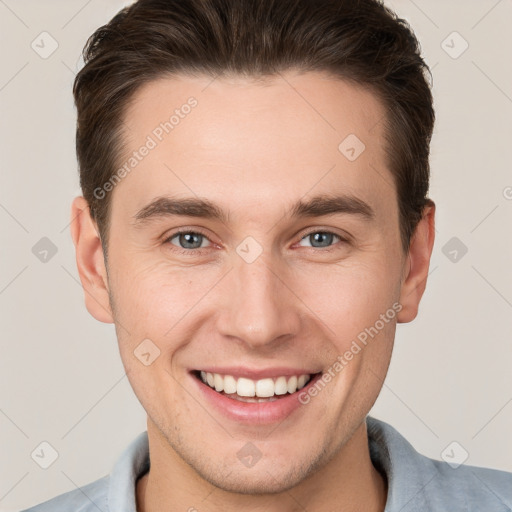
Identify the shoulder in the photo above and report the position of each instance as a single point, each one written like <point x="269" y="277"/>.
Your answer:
<point x="478" y="488"/>
<point x="89" y="498"/>
<point x="417" y="482"/>
<point x="115" y="491"/>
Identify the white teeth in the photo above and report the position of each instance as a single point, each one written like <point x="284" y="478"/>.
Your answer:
<point x="229" y="384"/>
<point x="265" y="388"/>
<point x="218" y="382"/>
<point x="281" y="386"/>
<point x="292" y="384"/>
<point x="301" y="382"/>
<point x="245" y="387"/>
<point x="248" y="388"/>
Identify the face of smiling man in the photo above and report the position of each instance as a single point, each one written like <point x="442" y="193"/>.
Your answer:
<point x="297" y="253"/>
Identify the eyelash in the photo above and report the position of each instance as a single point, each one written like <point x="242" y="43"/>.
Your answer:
<point x="195" y="252"/>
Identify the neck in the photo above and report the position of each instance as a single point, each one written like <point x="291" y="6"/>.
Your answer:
<point x="348" y="482"/>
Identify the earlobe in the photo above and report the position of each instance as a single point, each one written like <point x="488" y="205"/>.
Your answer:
<point x="417" y="265"/>
<point x="90" y="261"/>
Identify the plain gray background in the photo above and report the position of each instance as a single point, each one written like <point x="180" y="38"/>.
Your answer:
<point x="62" y="381"/>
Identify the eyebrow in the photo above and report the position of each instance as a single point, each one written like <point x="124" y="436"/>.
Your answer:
<point x="203" y="208"/>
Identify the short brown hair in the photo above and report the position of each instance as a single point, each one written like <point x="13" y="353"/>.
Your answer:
<point x="357" y="40"/>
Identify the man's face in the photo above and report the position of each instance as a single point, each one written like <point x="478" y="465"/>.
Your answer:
<point x="263" y="293"/>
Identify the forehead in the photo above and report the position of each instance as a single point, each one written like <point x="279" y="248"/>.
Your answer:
<point x="271" y="140"/>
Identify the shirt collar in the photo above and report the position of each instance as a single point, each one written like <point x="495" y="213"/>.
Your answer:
<point x="407" y="472"/>
<point x="132" y="464"/>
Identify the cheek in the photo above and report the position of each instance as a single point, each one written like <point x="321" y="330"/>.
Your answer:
<point x="155" y="300"/>
<point x="351" y="296"/>
<point x="359" y="304"/>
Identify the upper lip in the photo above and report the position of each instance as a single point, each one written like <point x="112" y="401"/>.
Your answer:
<point x="256" y="374"/>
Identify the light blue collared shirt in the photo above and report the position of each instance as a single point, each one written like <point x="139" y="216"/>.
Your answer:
<point x="415" y="483"/>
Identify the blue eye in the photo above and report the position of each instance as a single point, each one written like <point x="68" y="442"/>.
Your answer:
<point x="193" y="242"/>
<point x="188" y="240"/>
<point x="322" y="238"/>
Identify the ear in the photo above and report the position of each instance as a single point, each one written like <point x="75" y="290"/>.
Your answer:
<point x="90" y="261"/>
<point x="416" y="267"/>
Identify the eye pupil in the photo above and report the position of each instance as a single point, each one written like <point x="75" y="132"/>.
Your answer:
<point x="190" y="238"/>
<point x="322" y="237"/>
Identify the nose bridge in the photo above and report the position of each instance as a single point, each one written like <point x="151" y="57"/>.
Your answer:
<point x="260" y="307"/>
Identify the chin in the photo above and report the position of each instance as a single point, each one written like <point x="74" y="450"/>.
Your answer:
<point x="255" y="481"/>
<point x="269" y="475"/>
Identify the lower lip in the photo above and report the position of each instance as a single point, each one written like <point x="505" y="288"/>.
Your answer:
<point x="260" y="413"/>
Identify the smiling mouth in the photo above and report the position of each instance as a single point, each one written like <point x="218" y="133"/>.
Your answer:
<point x="248" y="390"/>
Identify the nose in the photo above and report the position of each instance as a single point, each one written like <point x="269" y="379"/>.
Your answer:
<point x="261" y="308"/>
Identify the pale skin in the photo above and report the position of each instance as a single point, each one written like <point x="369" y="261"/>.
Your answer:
<point x="254" y="150"/>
